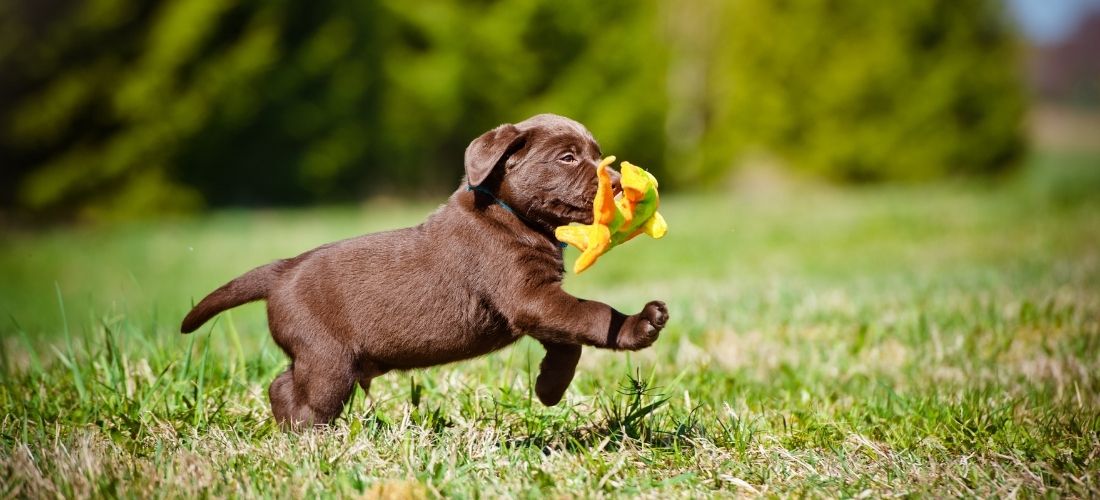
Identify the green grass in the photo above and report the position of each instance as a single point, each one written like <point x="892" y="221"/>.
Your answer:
<point x="938" y="340"/>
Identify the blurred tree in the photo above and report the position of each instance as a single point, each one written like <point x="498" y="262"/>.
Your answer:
<point x="122" y="106"/>
<point x="101" y="97"/>
<point x="863" y="90"/>
<point x="117" y="107"/>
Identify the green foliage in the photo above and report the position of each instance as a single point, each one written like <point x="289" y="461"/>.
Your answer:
<point x="867" y="90"/>
<point x="125" y="106"/>
<point x="128" y="105"/>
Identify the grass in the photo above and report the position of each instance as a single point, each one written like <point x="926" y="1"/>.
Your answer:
<point x="939" y="340"/>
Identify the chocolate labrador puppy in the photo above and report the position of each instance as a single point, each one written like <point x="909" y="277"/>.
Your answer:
<point x="481" y="272"/>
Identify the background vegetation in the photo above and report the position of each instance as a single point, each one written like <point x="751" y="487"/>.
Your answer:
<point x="121" y="107"/>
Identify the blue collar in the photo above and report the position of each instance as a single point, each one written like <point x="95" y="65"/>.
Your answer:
<point x="486" y="192"/>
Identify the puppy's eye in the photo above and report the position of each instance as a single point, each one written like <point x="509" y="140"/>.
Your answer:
<point x="568" y="158"/>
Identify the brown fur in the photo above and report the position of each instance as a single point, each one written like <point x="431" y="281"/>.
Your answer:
<point x="471" y="279"/>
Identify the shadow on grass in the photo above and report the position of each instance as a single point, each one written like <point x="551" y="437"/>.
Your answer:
<point x="629" y="417"/>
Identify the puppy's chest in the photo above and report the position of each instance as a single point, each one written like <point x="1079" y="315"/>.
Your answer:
<point x="485" y="321"/>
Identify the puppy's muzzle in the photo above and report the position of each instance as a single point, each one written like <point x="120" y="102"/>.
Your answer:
<point x="616" y="178"/>
<point x="616" y="182"/>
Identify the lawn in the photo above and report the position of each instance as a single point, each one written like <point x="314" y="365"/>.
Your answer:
<point x="940" y="340"/>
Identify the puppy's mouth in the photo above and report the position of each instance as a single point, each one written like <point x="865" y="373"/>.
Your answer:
<point x="584" y="210"/>
<point x="582" y="213"/>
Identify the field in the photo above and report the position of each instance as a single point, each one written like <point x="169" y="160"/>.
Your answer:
<point x="940" y="340"/>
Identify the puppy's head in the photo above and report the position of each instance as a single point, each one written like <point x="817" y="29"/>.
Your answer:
<point x="543" y="167"/>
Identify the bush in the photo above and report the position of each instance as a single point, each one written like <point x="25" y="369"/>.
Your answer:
<point x="862" y="90"/>
<point x="112" y="107"/>
<point x="122" y="106"/>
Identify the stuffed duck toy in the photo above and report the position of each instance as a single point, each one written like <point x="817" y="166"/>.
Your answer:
<point x="616" y="220"/>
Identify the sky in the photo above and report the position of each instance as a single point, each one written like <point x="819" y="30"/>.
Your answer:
<point x="1047" y="21"/>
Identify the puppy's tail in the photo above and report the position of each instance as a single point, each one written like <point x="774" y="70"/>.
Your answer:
<point x="250" y="286"/>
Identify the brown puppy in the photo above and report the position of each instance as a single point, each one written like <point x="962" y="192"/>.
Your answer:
<point x="482" y="271"/>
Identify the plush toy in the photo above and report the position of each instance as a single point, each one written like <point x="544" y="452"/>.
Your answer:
<point x="616" y="221"/>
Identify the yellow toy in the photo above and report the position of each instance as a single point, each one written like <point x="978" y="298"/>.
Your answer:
<point x="616" y="221"/>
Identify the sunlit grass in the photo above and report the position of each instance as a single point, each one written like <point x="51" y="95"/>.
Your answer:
<point x="939" y="340"/>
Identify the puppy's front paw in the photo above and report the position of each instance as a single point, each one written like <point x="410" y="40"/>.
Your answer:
<point x="647" y="326"/>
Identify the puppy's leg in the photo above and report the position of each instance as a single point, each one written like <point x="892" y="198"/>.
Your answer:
<point x="367" y="371"/>
<point x="552" y="315"/>
<point x="556" y="371"/>
<point x="281" y="395"/>
<point x="311" y="392"/>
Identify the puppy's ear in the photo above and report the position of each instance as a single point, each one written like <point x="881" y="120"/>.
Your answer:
<point x="491" y="149"/>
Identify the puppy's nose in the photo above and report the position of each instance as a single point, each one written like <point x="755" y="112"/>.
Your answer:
<point x="616" y="181"/>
